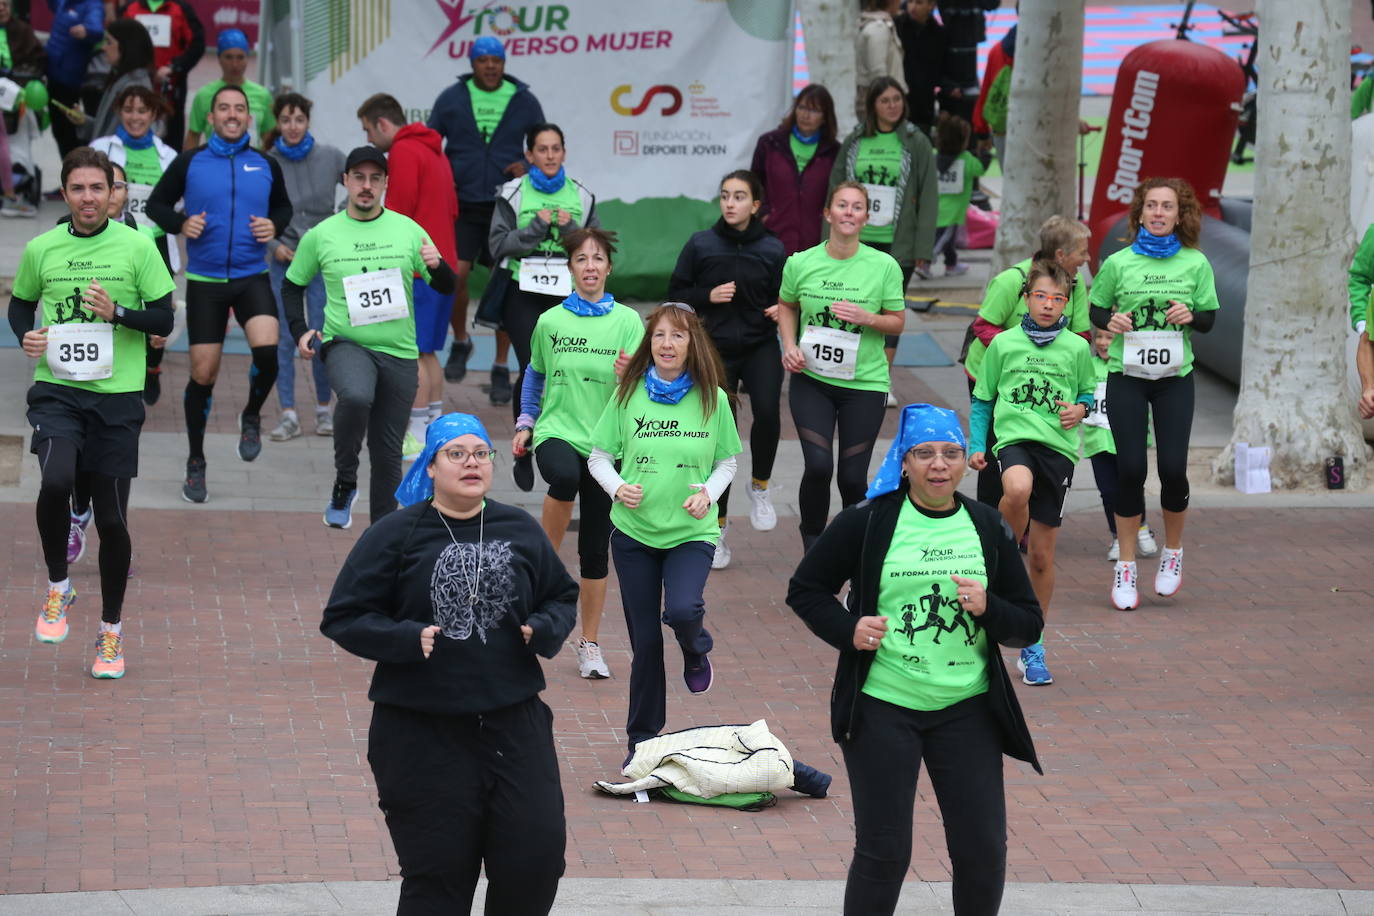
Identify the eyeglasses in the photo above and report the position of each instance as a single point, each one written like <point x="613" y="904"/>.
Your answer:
<point x="461" y="455"/>
<point x="681" y="305"/>
<point x="1040" y="298"/>
<point x="118" y="186"/>
<point x="951" y="454"/>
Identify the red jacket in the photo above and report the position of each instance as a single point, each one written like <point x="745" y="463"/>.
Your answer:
<point x="187" y="35"/>
<point x="792" y="201"/>
<point x="420" y="186"/>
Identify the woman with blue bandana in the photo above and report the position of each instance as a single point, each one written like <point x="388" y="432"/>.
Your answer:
<point x="575" y="351"/>
<point x="1154" y="295"/>
<point x="454" y="596"/>
<point x="936" y="585"/>
<point x="671" y="427"/>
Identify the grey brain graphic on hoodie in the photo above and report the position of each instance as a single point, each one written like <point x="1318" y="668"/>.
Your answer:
<point x="452" y="583"/>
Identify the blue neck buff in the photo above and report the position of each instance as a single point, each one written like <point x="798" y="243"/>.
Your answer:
<point x="579" y="306"/>
<point x="1042" y="336"/>
<point x="1155" y="246"/>
<point x="661" y="392"/>
<point x="221" y="147"/>
<point x="919" y="423"/>
<point x="808" y="139"/>
<point x="545" y="184"/>
<point x="299" y="151"/>
<point x="132" y="142"/>
<point x="417" y="485"/>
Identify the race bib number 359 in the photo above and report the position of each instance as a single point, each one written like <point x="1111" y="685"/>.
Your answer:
<point x="81" y="352"/>
<point x="1152" y="354"/>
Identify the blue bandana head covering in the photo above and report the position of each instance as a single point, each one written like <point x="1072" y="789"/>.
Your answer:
<point x="661" y="392"/>
<point x="232" y="38"/>
<point x="1155" y="246"/>
<point x="547" y="184"/>
<point x="132" y="142"/>
<point x="486" y="46"/>
<point x="579" y="306"/>
<point x="919" y="423"/>
<point x="299" y="151"/>
<point x="417" y="485"/>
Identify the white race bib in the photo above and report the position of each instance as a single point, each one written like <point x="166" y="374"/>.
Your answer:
<point x="9" y="94"/>
<point x="545" y="275"/>
<point x="882" y="201"/>
<point x="951" y="181"/>
<point x="159" y="26"/>
<point x="81" y="352"/>
<point x="1098" y="415"/>
<point x="1152" y="354"/>
<point x="375" y="296"/>
<point x="830" y="352"/>
<point x="137" y="202"/>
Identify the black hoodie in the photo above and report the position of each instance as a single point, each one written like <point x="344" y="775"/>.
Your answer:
<point x="753" y="259"/>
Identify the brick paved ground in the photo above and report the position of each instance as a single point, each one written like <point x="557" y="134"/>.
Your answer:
<point x="1223" y="738"/>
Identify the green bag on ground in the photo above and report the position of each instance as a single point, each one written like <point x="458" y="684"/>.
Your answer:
<point x="742" y="801"/>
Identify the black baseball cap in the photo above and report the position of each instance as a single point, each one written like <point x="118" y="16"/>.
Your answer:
<point x="362" y="154"/>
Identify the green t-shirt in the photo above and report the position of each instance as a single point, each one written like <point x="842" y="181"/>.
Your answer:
<point x="576" y="354"/>
<point x="934" y="653"/>
<point x="1025" y="380"/>
<point x="1362" y="98"/>
<point x="1098" y="439"/>
<point x="143" y="166"/>
<point x="1142" y="286"/>
<point x="340" y="246"/>
<point x="666" y="448"/>
<point x="802" y="152"/>
<point x="57" y="267"/>
<point x="488" y="107"/>
<point x="956" y="189"/>
<point x="1003" y="305"/>
<point x="259" y="107"/>
<point x="532" y="200"/>
<point x="6" y="58"/>
<point x="870" y="279"/>
<point x="879" y="163"/>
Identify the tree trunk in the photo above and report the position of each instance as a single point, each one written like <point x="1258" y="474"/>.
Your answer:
<point x="1042" y="125"/>
<point x="831" y="27"/>
<point x="1293" y="395"/>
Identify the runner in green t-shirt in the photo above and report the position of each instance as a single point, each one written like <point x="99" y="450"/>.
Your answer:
<point x="101" y="288"/>
<point x="368" y="256"/>
<point x="1036" y="385"/>
<point x="1154" y="295"/>
<point x="837" y="302"/>
<point x="233" y="49"/>
<point x="576" y="351"/>
<point x="671" y="427"/>
<point x="957" y="171"/>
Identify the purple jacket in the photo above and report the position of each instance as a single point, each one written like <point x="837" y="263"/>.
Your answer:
<point x="793" y="202"/>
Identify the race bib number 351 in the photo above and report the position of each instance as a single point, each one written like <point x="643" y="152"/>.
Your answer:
<point x="81" y="352"/>
<point x="1152" y="354"/>
<point x="375" y="297"/>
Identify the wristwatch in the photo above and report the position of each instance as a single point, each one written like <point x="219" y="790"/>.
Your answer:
<point x="119" y="313"/>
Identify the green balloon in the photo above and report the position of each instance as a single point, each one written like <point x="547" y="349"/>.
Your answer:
<point x="36" y="95"/>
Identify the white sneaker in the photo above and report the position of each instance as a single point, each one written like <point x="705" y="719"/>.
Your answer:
<point x="1170" y="575"/>
<point x="1124" y="594"/>
<point x="1145" y="545"/>
<point x="891" y="400"/>
<point x="288" y="428"/>
<point x="590" y="664"/>
<point x="324" y="423"/>
<point x="1114" y="551"/>
<point x="722" y="557"/>
<point x="761" y="514"/>
<point x="19" y="208"/>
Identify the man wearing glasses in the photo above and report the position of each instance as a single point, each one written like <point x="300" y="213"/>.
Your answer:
<point x="367" y="255"/>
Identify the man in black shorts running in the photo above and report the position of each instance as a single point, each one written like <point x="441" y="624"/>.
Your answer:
<point x="102" y="288"/>
<point x="235" y="203"/>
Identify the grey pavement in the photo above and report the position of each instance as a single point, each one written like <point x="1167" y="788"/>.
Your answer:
<point x="670" y="897"/>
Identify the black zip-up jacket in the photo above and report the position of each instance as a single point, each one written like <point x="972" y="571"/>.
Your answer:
<point x="753" y="259"/>
<point x="852" y="549"/>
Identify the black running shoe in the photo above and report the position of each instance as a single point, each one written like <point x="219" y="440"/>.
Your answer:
<point x="152" y="386"/>
<point x="456" y="369"/>
<point x="193" y="490"/>
<point x="501" y="391"/>
<point x="523" y="471"/>
<point x="250" y="437"/>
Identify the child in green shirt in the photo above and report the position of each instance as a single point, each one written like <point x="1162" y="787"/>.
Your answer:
<point x="957" y="171"/>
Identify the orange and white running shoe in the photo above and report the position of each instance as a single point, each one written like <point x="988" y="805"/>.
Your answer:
<point x="109" y="655"/>
<point x="52" y="618"/>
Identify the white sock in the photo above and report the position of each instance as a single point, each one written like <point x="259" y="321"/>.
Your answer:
<point x="64" y="586"/>
<point x="288" y="412"/>
<point x="435" y="410"/>
<point x="418" y="422"/>
<point x="1171" y="552"/>
<point x="115" y="628"/>
<point x="321" y="410"/>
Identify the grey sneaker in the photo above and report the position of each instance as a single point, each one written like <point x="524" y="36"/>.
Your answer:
<point x="250" y="437"/>
<point x="590" y="663"/>
<point x="324" y="423"/>
<point x="288" y="428"/>
<point x="339" y="512"/>
<point x="193" y="490"/>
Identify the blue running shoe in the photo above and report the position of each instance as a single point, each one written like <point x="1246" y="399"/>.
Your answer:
<point x="1032" y="666"/>
<point x="339" y="512"/>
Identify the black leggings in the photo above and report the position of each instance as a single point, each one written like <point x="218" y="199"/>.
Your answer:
<point x="565" y="471"/>
<point x="518" y="318"/>
<point x="1105" y="473"/>
<point x="989" y="478"/>
<point x="760" y="371"/>
<point x="1129" y="404"/>
<point x="961" y="747"/>
<point x="816" y="408"/>
<point x="109" y="497"/>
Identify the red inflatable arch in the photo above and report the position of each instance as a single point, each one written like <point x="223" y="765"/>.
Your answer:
<point x="1174" y="114"/>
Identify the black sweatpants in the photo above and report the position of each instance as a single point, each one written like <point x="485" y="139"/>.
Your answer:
<point x="760" y="372"/>
<point x="463" y="792"/>
<point x="1130" y="402"/>
<point x="659" y="586"/>
<point x="817" y="408"/>
<point x="962" y="750"/>
<point x="564" y="469"/>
